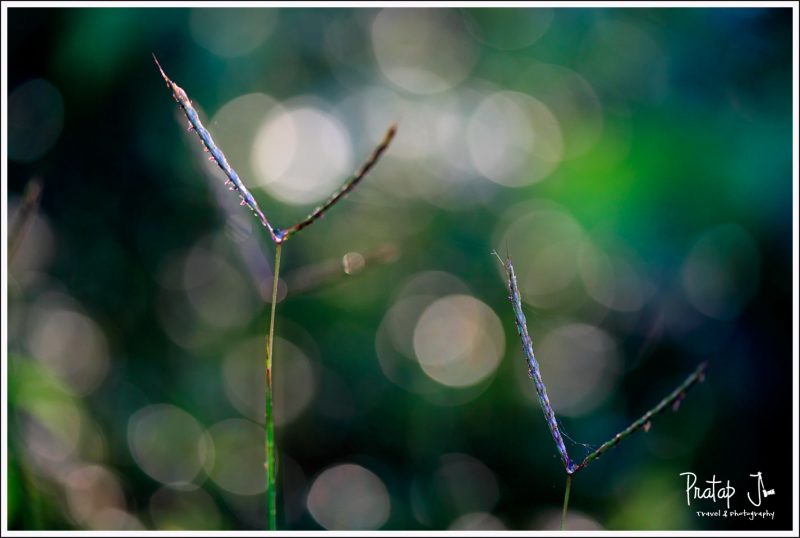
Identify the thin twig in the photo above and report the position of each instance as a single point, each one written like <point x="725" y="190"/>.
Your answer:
<point x="25" y="213"/>
<point x="313" y="276"/>
<point x="673" y="400"/>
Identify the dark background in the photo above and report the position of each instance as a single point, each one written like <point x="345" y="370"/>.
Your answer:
<point x="635" y="163"/>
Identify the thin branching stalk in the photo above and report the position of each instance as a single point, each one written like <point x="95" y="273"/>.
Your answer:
<point x="672" y="400"/>
<point x="348" y="185"/>
<point x="234" y="183"/>
<point x="278" y="236"/>
<point x="317" y="275"/>
<point x="25" y="214"/>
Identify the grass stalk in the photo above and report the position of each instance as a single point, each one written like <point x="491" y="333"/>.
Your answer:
<point x="278" y="236"/>
<point x="672" y="400"/>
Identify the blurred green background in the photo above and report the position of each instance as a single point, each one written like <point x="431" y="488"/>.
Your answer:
<point x="635" y="163"/>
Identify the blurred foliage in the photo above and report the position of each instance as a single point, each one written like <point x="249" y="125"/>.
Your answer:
<point x="636" y="163"/>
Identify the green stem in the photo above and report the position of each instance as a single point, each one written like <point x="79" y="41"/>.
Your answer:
<point x="270" y="446"/>
<point x="566" y="502"/>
